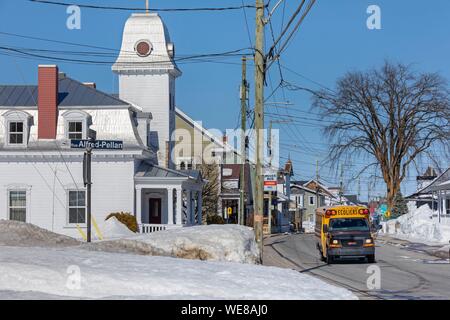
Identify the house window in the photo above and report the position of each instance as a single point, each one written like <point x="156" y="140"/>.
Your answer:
<point x="77" y="206"/>
<point x="75" y="130"/>
<point x="16" y="133"/>
<point x="76" y="124"/>
<point x="189" y="166"/>
<point x="311" y="200"/>
<point x="17" y="205"/>
<point x="17" y="126"/>
<point x="182" y="166"/>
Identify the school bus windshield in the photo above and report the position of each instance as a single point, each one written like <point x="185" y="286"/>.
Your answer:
<point x="348" y="224"/>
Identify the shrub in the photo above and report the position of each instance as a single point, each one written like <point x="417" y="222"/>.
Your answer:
<point x="214" y="219"/>
<point x="126" y="218"/>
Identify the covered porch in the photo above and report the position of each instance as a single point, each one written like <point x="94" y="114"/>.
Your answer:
<point x="167" y="198"/>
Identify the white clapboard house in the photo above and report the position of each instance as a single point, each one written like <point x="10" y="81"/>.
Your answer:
<point x="41" y="179"/>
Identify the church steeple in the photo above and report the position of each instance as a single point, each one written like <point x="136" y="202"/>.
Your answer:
<point x="147" y="73"/>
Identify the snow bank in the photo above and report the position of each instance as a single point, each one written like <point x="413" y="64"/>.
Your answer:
<point x="113" y="228"/>
<point x="231" y="243"/>
<point x="45" y="272"/>
<point x="418" y="225"/>
<point x="15" y="233"/>
<point x="308" y="226"/>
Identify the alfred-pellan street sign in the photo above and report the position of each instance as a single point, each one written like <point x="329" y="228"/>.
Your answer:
<point x="97" y="144"/>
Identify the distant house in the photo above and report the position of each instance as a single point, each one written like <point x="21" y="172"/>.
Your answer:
<point x="423" y="194"/>
<point x="305" y="199"/>
<point x="436" y="194"/>
<point x="229" y="204"/>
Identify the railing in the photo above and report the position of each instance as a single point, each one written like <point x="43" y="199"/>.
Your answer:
<point x="149" y="228"/>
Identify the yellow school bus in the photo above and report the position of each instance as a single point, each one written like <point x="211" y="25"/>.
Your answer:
<point x="344" y="232"/>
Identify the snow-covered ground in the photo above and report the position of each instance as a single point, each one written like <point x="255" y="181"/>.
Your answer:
<point x="54" y="272"/>
<point x="71" y="270"/>
<point x="419" y="225"/>
<point x="232" y="243"/>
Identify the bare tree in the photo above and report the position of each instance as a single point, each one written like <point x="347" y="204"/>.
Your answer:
<point x="210" y="192"/>
<point x="392" y="117"/>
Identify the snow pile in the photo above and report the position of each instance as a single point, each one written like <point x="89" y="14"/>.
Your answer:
<point x="308" y="226"/>
<point x="73" y="272"/>
<point x="418" y="225"/>
<point x="231" y="243"/>
<point x="16" y="233"/>
<point x="113" y="228"/>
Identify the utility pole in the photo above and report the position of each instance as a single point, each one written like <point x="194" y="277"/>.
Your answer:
<point x="270" y="168"/>
<point x="359" y="189"/>
<point x="88" y="183"/>
<point x="259" y="124"/>
<point x="317" y="184"/>
<point x="244" y="88"/>
<point x="341" y="185"/>
<point x="146" y="6"/>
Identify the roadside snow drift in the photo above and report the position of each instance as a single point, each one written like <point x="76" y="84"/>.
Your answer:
<point x="232" y="243"/>
<point x="15" y="233"/>
<point x="419" y="225"/>
<point x="113" y="228"/>
<point x="78" y="273"/>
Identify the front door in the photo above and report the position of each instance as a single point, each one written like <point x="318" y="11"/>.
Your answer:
<point x="154" y="205"/>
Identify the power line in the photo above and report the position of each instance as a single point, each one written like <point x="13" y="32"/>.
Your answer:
<point x="89" y="6"/>
<point x="246" y="24"/>
<point x="193" y="58"/>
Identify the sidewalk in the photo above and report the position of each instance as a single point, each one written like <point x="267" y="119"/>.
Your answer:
<point x="439" y="251"/>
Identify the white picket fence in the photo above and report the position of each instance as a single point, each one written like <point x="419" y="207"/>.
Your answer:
<point x="149" y="228"/>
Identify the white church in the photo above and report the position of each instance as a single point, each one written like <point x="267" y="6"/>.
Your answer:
<point x="41" y="178"/>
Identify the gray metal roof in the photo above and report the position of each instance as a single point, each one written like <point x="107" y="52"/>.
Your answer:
<point x="71" y="93"/>
<point x="148" y="170"/>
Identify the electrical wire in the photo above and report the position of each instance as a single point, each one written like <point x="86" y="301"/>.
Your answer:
<point x="143" y="9"/>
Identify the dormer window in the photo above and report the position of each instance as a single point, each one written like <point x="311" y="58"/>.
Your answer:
<point x="76" y="124"/>
<point x="17" y="128"/>
<point x="16" y="133"/>
<point x="75" y="130"/>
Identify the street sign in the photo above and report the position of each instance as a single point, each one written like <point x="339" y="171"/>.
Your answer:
<point x="97" y="144"/>
<point x="230" y="211"/>
<point x="270" y="180"/>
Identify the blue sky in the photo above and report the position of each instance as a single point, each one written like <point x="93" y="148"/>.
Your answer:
<point x="332" y="40"/>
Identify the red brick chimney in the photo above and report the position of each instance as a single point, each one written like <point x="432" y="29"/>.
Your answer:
<point x="47" y="101"/>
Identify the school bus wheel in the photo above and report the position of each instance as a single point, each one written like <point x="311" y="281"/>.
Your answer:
<point x="329" y="258"/>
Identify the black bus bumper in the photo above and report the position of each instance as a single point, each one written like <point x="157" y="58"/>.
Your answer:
<point x="351" y="252"/>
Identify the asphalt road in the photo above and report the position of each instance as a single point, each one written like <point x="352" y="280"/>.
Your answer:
<point x="405" y="273"/>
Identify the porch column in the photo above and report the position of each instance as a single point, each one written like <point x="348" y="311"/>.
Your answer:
<point x="444" y="202"/>
<point x="189" y="214"/>
<point x="179" y="206"/>
<point x="139" y="205"/>
<point x="199" y="207"/>
<point x="169" y="205"/>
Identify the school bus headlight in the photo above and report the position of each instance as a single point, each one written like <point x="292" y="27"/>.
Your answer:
<point x="369" y="241"/>
<point x="335" y="242"/>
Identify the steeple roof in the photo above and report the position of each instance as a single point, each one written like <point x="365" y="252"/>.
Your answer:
<point x="145" y="29"/>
